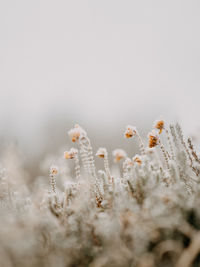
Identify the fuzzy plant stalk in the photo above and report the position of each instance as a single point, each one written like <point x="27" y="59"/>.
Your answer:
<point x="84" y="157"/>
<point x="92" y="170"/>
<point x="53" y="174"/>
<point x="160" y="125"/>
<point x="53" y="197"/>
<point x="142" y="148"/>
<point x="181" y="138"/>
<point x="77" y="134"/>
<point x="154" y="140"/>
<point x="77" y="168"/>
<point x="73" y="154"/>
<point x="193" y="152"/>
<point x="85" y="141"/>
<point x="174" y="136"/>
<point x="124" y="172"/>
<point x="170" y="143"/>
<point x="102" y="153"/>
<point x="127" y="169"/>
<point x="164" y="152"/>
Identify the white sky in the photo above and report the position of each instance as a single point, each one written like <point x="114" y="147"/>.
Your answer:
<point x="100" y="62"/>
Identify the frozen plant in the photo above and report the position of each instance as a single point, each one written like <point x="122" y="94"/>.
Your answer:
<point x="145" y="214"/>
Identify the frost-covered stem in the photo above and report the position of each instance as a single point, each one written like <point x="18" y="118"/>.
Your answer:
<point x="67" y="197"/>
<point x="87" y="145"/>
<point x="131" y="189"/>
<point x="64" y="202"/>
<point x="77" y="167"/>
<point x="188" y="153"/>
<point x="164" y="153"/>
<point x="125" y="171"/>
<point x="180" y="134"/>
<point x="91" y="159"/>
<point x="95" y="188"/>
<point x="95" y="191"/>
<point x="106" y="166"/>
<point x="104" y="181"/>
<point x="98" y="191"/>
<point x="131" y="173"/>
<point x="174" y="172"/>
<point x="53" y="182"/>
<point x="170" y="143"/>
<point x="194" y="154"/>
<point x="142" y="149"/>
<point x="174" y="136"/>
<point x="53" y="194"/>
<point x="83" y="154"/>
<point x="179" y="131"/>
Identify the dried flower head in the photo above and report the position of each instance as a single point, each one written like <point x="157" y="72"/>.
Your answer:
<point x="119" y="154"/>
<point x="130" y="131"/>
<point x="137" y="159"/>
<point x="75" y="133"/>
<point x="101" y="152"/>
<point x="159" y="124"/>
<point x="153" y="139"/>
<point x="71" y="153"/>
<point x="53" y="170"/>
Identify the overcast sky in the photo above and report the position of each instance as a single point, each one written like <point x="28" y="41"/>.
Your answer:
<point x="98" y="62"/>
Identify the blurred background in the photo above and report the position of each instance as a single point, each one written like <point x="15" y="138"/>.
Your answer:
<point x="102" y="64"/>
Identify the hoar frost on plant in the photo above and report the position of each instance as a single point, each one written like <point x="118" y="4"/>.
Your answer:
<point x="145" y="213"/>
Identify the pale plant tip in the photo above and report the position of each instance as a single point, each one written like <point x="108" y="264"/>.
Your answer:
<point x="101" y="152"/>
<point x="130" y="131"/>
<point x="76" y="133"/>
<point x="119" y="154"/>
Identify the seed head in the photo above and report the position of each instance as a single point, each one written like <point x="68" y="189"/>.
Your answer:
<point x="53" y="170"/>
<point x="101" y="152"/>
<point x="159" y="124"/>
<point x="119" y="154"/>
<point x="153" y="139"/>
<point x="75" y="133"/>
<point x="71" y="153"/>
<point x="130" y="131"/>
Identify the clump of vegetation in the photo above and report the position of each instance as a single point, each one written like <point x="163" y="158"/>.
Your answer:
<point x="140" y="211"/>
